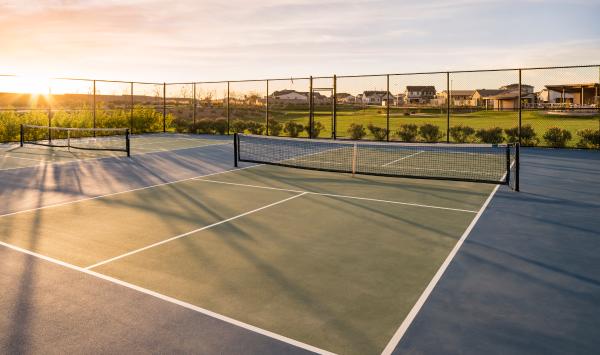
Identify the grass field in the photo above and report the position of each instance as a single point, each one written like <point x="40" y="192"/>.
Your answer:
<point x="147" y="119"/>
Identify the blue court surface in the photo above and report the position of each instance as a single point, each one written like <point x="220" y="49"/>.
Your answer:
<point x="176" y="251"/>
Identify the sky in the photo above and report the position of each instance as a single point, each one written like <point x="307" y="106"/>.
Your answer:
<point x="204" y="40"/>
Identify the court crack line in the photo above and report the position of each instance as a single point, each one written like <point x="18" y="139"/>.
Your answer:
<point x="193" y="231"/>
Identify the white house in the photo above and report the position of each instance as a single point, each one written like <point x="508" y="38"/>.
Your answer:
<point x="345" y="98"/>
<point x="290" y="95"/>
<point x="419" y="94"/>
<point x="374" y="97"/>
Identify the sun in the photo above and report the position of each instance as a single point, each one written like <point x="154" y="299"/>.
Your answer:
<point x="34" y="85"/>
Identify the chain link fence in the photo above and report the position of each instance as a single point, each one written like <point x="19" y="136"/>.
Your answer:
<point x="547" y="107"/>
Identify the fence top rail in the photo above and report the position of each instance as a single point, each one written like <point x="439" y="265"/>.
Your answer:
<point x="322" y="77"/>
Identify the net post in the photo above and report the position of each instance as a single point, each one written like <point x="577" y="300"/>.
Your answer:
<point x="21" y="135"/>
<point x="267" y="110"/>
<point x="334" y="123"/>
<point x="387" y="112"/>
<point x="69" y="139"/>
<point x="194" y="103"/>
<point x="164" y="107"/>
<point x="517" y="165"/>
<point x="354" y="154"/>
<point x="127" y="143"/>
<point x="310" y="108"/>
<point x="235" y="149"/>
<point x="49" y="115"/>
<point x="508" y="164"/>
<point x="94" y="112"/>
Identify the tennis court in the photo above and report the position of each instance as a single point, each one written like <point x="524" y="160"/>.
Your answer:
<point x="13" y="156"/>
<point x="322" y="260"/>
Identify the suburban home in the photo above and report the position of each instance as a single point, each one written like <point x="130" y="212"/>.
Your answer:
<point x="419" y="94"/>
<point x="458" y="98"/>
<point x="481" y="97"/>
<point x="395" y="100"/>
<point x="374" y="97"/>
<point x="584" y="94"/>
<point x="345" y="98"/>
<point x="290" y="96"/>
<point x="509" y="99"/>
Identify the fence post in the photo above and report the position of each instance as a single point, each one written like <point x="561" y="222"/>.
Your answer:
<point x="132" y="106"/>
<point x="448" y="107"/>
<point x="194" y="103"/>
<point x="334" y="113"/>
<point x="267" y="109"/>
<point x="227" y="99"/>
<point x="94" y="111"/>
<point x="520" y="110"/>
<point x="387" y="104"/>
<point x="310" y="109"/>
<point x="164" y="107"/>
<point x="50" y="114"/>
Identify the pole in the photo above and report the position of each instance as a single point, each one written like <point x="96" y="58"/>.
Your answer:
<point x="235" y="149"/>
<point x="127" y="143"/>
<point x="164" y="107"/>
<point x="49" y="115"/>
<point x="520" y="109"/>
<point x="517" y="165"/>
<point x="387" y="135"/>
<point x="94" y="111"/>
<point x="22" y="138"/>
<point x="334" y="123"/>
<point x="448" y="107"/>
<point x="195" y="104"/>
<point x="228" y="129"/>
<point x="310" y="109"/>
<point x="131" y="113"/>
<point x="267" y="110"/>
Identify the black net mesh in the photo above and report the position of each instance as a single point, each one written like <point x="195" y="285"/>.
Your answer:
<point x="100" y="139"/>
<point x="488" y="163"/>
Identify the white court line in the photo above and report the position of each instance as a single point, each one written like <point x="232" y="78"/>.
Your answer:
<point x="438" y="275"/>
<point x="408" y="156"/>
<point x="192" y="232"/>
<point x="172" y="300"/>
<point x="336" y="195"/>
<point x="126" y="191"/>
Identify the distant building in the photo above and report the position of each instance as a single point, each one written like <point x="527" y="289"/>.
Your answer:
<point x="578" y="94"/>
<point x="290" y="96"/>
<point x="345" y="98"/>
<point x="419" y="94"/>
<point x="458" y="98"/>
<point x="374" y="97"/>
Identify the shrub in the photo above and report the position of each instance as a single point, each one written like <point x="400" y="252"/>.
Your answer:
<point x="274" y="127"/>
<point x="255" y="127"/>
<point x="461" y="134"/>
<point x="317" y="128"/>
<point x="219" y="125"/>
<point x="528" y="136"/>
<point x="557" y="137"/>
<point x="238" y="126"/>
<point x="357" y="131"/>
<point x="379" y="133"/>
<point x="490" y="135"/>
<point x="293" y="128"/>
<point x="590" y="138"/>
<point x="407" y="132"/>
<point x="430" y="132"/>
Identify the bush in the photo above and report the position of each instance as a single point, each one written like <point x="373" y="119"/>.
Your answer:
<point x="557" y="137"/>
<point x="461" y="134"/>
<point x="590" y="138"/>
<point x="357" y="131"/>
<point x="219" y="125"/>
<point x="490" y="135"/>
<point x="255" y="127"/>
<point x="274" y="127"/>
<point x="379" y="133"/>
<point x="407" y="132"/>
<point x="317" y="128"/>
<point x="238" y="126"/>
<point x="528" y="136"/>
<point x="293" y="128"/>
<point x="430" y="132"/>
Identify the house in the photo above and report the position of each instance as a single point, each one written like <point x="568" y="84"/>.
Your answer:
<point x="290" y="96"/>
<point x="345" y="98"/>
<point x="526" y="89"/>
<point x="374" y="97"/>
<point x="481" y="97"/>
<point x="419" y="94"/>
<point x="395" y="100"/>
<point x="579" y="94"/>
<point x="509" y="99"/>
<point x="458" y="98"/>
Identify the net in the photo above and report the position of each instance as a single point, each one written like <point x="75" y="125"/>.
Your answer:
<point x="100" y="139"/>
<point x="488" y="163"/>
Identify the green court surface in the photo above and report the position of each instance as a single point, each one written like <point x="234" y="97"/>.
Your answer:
<point x="326" y="259"/>
<point x="12" y="156"/>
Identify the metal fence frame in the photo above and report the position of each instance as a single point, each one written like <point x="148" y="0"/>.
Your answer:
<point x="311" y="103"/>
